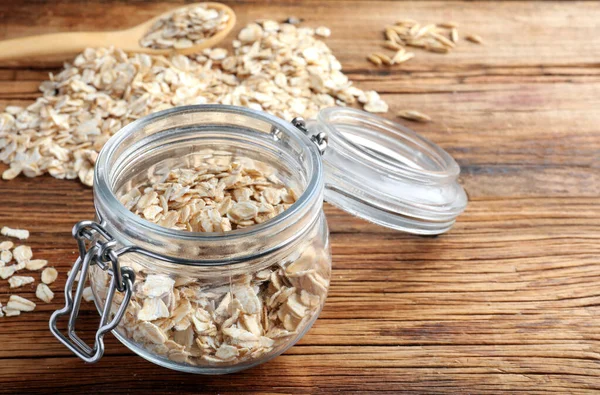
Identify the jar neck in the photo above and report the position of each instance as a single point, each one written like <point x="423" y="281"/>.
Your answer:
<point x="212" y="249"/>
<point x="168" y="133"/>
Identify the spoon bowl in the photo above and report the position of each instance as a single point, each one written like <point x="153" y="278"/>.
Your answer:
<point x="72" y="43"/>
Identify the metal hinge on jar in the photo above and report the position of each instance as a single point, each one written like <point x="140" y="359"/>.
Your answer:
<point x="102" y="253"/>
<point x="319" y="139"/>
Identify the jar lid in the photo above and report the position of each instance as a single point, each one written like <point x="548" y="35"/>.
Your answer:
<point x="386" y="173"/>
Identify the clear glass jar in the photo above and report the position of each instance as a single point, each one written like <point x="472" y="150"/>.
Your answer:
<point x="223" y="302"/>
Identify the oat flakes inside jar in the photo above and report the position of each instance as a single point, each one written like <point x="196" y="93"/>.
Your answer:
<point x="210" y="244"/>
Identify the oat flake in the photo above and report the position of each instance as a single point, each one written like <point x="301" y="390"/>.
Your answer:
<point x="278" y="68"/>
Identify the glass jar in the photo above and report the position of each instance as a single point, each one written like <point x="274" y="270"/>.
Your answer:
<point x="223" y="302"/>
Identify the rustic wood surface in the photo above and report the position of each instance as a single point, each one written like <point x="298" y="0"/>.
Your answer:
<point x="507" y="300"/>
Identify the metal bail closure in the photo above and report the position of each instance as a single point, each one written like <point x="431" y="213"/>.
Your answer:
<point x="320" y="139"/>
<point x="100" y="253"/>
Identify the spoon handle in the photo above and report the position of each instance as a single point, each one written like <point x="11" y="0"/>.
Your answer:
<point x="54" y="44"/>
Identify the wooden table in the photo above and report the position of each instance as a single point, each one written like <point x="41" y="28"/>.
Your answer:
<point x="507" y="300"/>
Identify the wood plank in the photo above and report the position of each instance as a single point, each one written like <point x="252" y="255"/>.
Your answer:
<point x="506" y="301"/>
<point x="552" y="36"/>
<point x="305" y="374"/>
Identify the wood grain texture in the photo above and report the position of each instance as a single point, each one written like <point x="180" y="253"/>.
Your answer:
<point x="509" y="300"/>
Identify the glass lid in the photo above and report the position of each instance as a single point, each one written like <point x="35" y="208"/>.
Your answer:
<point x="386" y="173"/>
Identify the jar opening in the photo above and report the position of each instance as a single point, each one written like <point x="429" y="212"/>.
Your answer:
<point x="178" y="136"/>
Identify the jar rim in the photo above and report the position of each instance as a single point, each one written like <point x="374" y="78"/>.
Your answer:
<point x="104" y="190"/>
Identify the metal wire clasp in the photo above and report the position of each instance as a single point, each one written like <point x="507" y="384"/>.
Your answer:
<point x="100" y="252"/>
<point x="320" y="139"/>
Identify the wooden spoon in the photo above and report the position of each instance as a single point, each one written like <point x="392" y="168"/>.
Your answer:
<point x="128" y="40"/>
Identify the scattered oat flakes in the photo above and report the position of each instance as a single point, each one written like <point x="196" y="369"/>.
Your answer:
<point x="35" y="264"/>
<point x="437" y="38"/>
<point x="454" y="35"/>
<point x="294" y="20"/>
<point x="376" y="60"/>
<point x="386" y="60"/>
<point x="282" y="69"/>
<point x="10" y="312"/>
<point x="392" y="45"/>
<point x="446" y="42"/>
<point x="474" y="38"/>
<point x="392" y="36"/>
<point x="323" y="31"/>
<point x="49" y="275"/>
<point x="185" y="28"/>
<point x="6" y="245"/>
<point x="21" y="304"/>
<point x="5" y="256"/>
<point x="402" y="56"/>
<point x="413" y="115"/>
<point x="22" y="254"/>
<point x="7" y="271"/>
<point x="448" y="25"/>
<point x="44" y="293"/>
<point x="19" y="281"/>
<point x="20" y="234"/>
<point x="373" y="102"/>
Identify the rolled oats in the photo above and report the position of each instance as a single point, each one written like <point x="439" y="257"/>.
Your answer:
<point x="474" y="38"/>
<point x="238" y="193"/>
<point x="20" y="234"/>
<point x="243" y="318"/>
<point x="384" y="58"/>
<point x="153" y="309"/>
<point x="392" y="45"/>
<point x="35" y="264"/>
<point x="10" y="312"/>
<point x="21" y="304"/>
<point x="323" y="31"/>
<point x="454" y="35"/>
<point x="44" y="293"/>
<point x="185" y="28"/>
<point x="5" y="257"/>
<point x="278" y="68"/>
<point x="7" y="271"/>
<point x="437" y="38"/>
<point x="402" y="56"/>
<point x="6" y="245"/>
<point x="372" y="101"/>
<point x="49" y="275"/>
<point x="19" y="281"/>
<point x="22" y="254"/>
<point x="413" y="115"/>
<point x="230" y="319"/>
